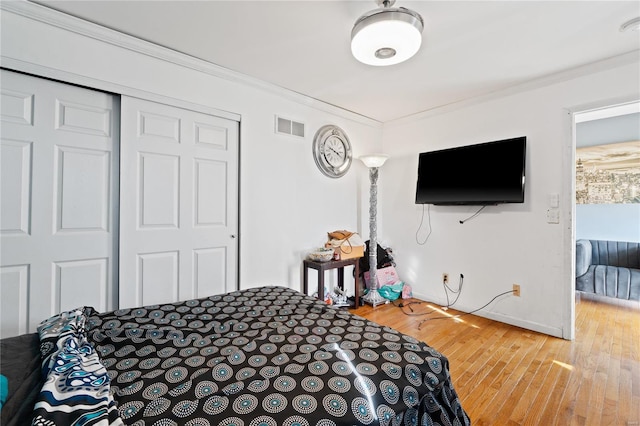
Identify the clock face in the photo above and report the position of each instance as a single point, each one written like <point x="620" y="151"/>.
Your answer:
<point x="332" y="151"/>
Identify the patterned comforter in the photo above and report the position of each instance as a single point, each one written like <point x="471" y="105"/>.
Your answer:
<point x="257" y="357"/>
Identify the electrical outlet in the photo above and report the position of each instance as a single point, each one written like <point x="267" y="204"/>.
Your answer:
<point x="445" y="278"/>
<point x="516" y="290"/>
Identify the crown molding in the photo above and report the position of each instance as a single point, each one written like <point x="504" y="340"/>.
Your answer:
<point x="107" y="86"/>
<point x="569" y="74"/>
<point x="70" y="23"/>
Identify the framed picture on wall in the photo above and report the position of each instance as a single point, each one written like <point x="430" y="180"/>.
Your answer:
<point x="608" y="174"/>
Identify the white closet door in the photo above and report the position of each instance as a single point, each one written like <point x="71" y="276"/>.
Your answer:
<point x="179" y="205"/>
<point x="58" y="193"/>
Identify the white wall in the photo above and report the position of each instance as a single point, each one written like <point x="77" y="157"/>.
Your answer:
<point x="286" y="204"/>
<point x="612" y="222"/>
<point x="506" y="244"/>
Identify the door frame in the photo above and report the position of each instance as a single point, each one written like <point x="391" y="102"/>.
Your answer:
<point x="569" y="191"/>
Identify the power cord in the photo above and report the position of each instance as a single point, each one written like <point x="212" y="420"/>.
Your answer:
<point x="408" y="305"/>
<point x="474" y="215"/>
<point x="458" y="292"/>
<point x="402" y="305"/>
<point x="420" y="226"/>
<point x="465" y="313"/>
<point x="446" y="287"/>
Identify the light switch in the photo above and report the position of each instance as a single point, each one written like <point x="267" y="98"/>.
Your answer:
<point x="553" y="216"/>
<point x="553" y="200"/>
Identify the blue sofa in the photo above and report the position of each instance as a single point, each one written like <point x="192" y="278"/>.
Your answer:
<point x="608" y="268"/>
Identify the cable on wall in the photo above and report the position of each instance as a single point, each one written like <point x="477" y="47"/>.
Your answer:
<point x="421" y="243"/>
<point x="465" y="313"/>
<point x="458" y="291"/>
<point x="474" y="215"/>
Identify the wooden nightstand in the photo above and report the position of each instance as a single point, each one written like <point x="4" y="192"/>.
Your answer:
<point x="321" y="267"/>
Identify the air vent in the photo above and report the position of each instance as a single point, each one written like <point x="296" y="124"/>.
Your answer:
<point x="285" y="126"/>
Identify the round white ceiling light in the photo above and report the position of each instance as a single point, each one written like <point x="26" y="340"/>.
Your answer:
<point x="386" y="36"/>
<point x="631" y="25"/>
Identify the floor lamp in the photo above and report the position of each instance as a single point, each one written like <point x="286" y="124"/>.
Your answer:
<point x="373" y="162"/>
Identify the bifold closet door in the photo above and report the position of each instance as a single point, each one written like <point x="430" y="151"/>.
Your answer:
<point x="58" y="196"/>
<point x="178" y="204"/>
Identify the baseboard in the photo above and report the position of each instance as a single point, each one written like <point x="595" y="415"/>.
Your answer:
<point x="518" y="322"/>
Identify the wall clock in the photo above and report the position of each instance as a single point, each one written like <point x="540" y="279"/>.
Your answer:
<point x="332" y="151"/>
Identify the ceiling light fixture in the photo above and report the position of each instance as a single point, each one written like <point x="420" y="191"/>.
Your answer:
<point x="631" y="25"/>
<point x="386" y="36"/>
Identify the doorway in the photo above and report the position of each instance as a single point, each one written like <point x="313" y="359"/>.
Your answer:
<point x="602" y="210"/>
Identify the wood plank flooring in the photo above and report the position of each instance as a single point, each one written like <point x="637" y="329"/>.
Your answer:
<point x="510" y="376"/>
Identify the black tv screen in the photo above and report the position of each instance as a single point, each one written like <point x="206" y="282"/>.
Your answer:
<point x="483" y="174"/>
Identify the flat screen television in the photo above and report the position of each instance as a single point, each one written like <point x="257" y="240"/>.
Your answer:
<point x="483" y="174"/>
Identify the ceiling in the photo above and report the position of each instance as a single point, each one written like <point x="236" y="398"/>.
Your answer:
<point x="469" y="48"/>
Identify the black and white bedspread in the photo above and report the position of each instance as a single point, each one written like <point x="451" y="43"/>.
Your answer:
<point x="257" y="357"/>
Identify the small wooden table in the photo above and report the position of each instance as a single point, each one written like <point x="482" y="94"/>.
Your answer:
<point x="321" y="267"/>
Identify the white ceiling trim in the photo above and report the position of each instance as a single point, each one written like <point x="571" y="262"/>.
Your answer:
<point x="106" y="86"/>
<point x="614" y="111"/>
<point x="88" y="29"/>
<point x="602" y="65"/>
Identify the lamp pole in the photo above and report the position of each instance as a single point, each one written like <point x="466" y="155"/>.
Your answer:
<point x="373" y="162"/>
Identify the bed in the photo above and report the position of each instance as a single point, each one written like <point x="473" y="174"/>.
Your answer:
<point x="257" y="357"/>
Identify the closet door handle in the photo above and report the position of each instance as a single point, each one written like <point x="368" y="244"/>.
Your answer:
<point x="233" y="236"/>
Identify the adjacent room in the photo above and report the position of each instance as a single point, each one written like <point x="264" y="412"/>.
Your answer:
<point x="320" y="212"/>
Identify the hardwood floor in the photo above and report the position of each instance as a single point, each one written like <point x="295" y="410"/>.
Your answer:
<point x="506" y="375"/>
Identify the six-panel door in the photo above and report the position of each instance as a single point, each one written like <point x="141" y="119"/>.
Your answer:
<point x="58" y="200"/>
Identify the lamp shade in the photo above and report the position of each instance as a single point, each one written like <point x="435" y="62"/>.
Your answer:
<point x="374" y="160"/>
<point x="386" y="36"/>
